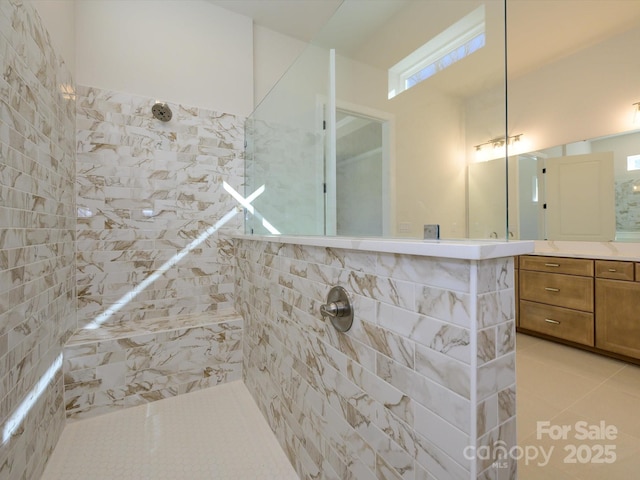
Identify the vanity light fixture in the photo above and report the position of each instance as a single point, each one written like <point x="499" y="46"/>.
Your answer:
<point x="498" y="143"/>
<point x="636" y="112"/>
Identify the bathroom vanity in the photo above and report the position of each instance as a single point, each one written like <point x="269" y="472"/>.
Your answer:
<point x="592" y="303"/>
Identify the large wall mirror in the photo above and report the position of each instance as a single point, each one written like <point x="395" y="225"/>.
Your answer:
<point x="582" y="191"/>
<point x="574" y="173"/>
<point x="404" y="113"/>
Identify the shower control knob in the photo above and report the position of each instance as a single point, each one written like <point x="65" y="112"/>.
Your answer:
<point x="335" y="309"/>
<point x="338" y="309"/>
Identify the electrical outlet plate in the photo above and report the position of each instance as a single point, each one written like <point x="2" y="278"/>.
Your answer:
<point x="432" y="232"/>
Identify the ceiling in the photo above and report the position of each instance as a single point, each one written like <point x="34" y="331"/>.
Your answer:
<point x="539" y="31"/>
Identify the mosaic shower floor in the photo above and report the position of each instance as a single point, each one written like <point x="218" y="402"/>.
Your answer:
<point x="216" y="433"/>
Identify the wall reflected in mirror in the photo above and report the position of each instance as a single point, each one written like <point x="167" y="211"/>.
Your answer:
<point x="588" y="190"/>
<point x="577" y="113"/>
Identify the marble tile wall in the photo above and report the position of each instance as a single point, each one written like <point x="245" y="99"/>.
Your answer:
<point x="426" y="370"/>
<point x="603" y="250"/>
<point x="37" y="238"/>
<point x="150" y="199"/>
<point x="627" y="203"/>
<point x="124" y="365"/>
<point x="496" y="370"/>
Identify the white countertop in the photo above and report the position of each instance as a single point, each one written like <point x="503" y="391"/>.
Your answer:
<point x="462" y="249"/>
<point x="596" y="250"/>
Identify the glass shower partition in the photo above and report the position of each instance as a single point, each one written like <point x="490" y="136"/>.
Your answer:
<point x="285" y="151"/>
<point x="416" y="105"/>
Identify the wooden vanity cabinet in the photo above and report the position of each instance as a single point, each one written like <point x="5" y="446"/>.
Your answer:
<point x="556" y="297"/>
<point x="590" y="303"/>
<point x="617" y="318"/>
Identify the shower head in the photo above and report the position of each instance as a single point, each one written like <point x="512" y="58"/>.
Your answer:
<point x="161" y="111"/>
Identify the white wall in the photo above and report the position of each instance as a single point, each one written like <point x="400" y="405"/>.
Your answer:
<point x="105" y="55"/>
<point x="58" y="17"/>
<point x="273" y="54"/>
<point x="429" y="170"/>
<point x="586" y="95"/>
<point x="184" y="51"/>
<point x="622" y="146"/>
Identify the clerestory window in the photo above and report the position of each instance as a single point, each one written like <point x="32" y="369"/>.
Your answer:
<point x="458" y="41"/>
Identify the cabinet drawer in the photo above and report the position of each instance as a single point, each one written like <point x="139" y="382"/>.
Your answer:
<point x="559" y="322"/>
<point x="569" y="266"/>
<point x="554" y="289"/>
<point x="614" y="270"/>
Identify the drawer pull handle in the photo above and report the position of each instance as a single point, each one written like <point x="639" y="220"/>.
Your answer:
<point x="551" y="264"/>
<point x="555" y="322"/>
<point x="551" y="289"/>
<point x="612" y="270"/>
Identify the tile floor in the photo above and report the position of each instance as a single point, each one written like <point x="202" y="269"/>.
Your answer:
<point x="172" y="438"/>
<point x="564" y="386"/>
<point x="216" y="433"/>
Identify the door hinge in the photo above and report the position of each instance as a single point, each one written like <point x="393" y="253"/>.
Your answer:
<point x="324" y="124"/>
<point x="324" y="188"/>
<point x="544" y="170"/>
<point x="544" y="206"/>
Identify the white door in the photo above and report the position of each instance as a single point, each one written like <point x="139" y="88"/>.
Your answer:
<point x="528" y="199"/>
<point x="360" y="180"/>
<point x="359" y="175"/>
<point x="580" y="197"/>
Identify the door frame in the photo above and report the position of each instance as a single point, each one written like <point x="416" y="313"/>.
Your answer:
<point x="387" y="121"/>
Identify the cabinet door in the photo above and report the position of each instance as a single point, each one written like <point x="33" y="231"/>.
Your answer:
<point x="618" y="317"/>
